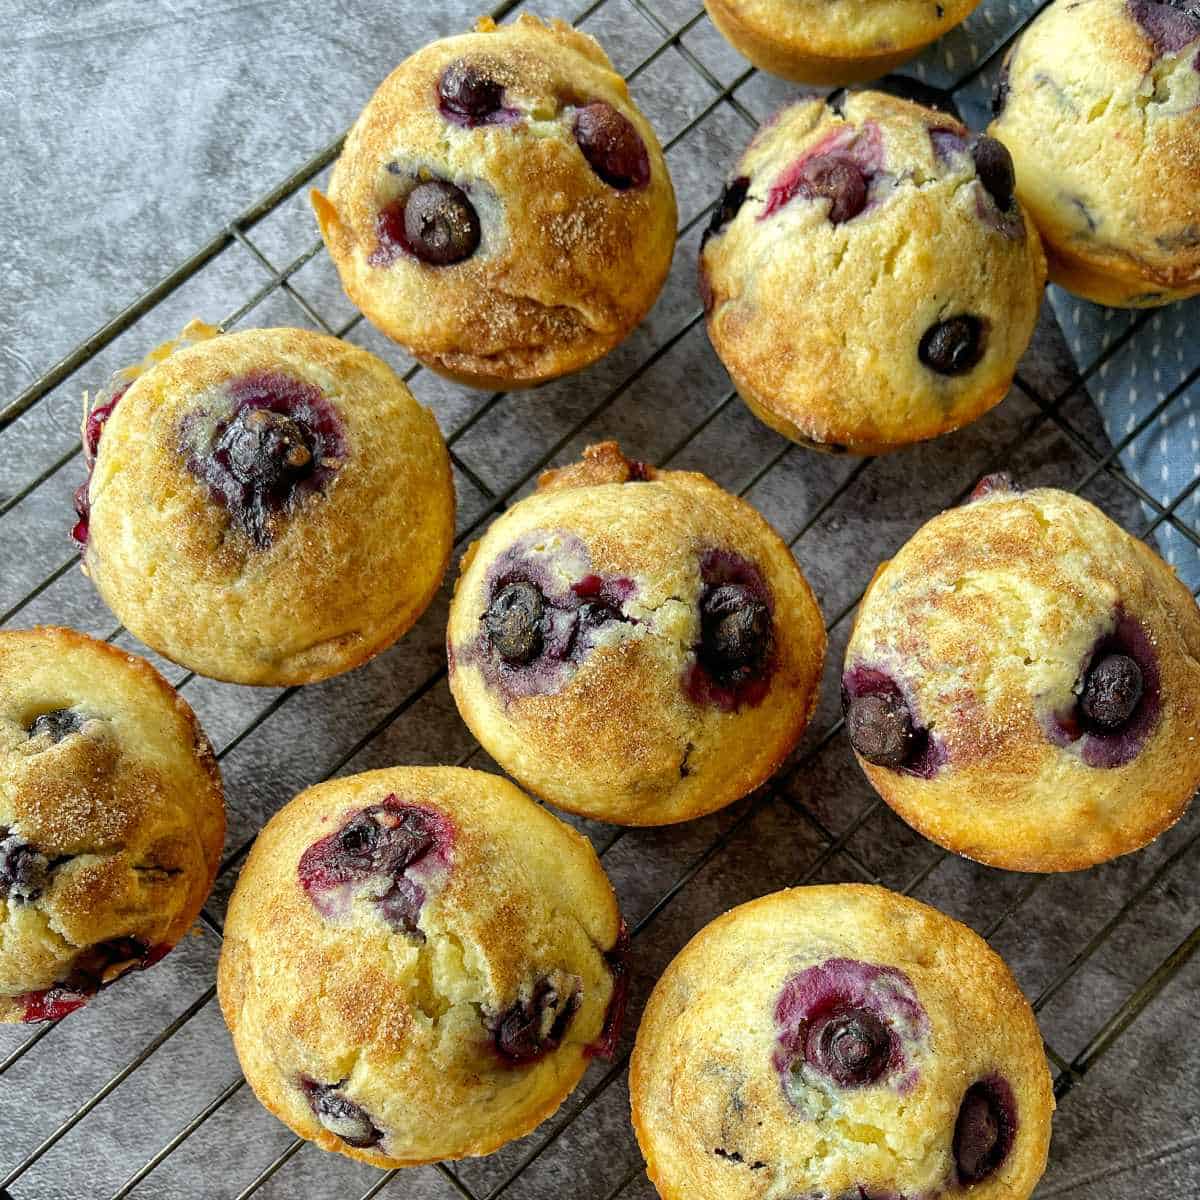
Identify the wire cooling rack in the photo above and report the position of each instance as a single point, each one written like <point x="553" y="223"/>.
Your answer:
<point x="139" y="1094"/>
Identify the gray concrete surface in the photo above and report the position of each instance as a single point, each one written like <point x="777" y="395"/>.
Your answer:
<point x="132" y="131"/>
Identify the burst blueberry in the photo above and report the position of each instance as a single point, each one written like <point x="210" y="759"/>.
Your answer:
<point x="514" y="623"/>
<point x="881" y="729"/>
<point x="528" y="1029"/>
<point x="1111" y="691"/>
<point x="838" y="180"/>
<point x="340" y="1115"/>
<point x="57" y="724"/>
<point x="735" y="636"/>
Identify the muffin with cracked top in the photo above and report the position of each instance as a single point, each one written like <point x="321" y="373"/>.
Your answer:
<point x="419" y="963"/>
<point x="502" y="209"/>
<point x="634" y="645"/>
<point x="266" y="507"/>
<point x="840" y="1043"/>
<point x="869" y="278"/>
<point x="1099" y="103"/>
<point x="111" y="819"/>
<point x="834" y="41"/>
<point x="1022" y="684"/>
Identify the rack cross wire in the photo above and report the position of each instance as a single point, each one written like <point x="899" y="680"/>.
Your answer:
<point x="814" y="501"/>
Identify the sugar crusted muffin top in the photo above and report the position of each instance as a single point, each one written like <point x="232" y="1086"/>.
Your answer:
<point x="614" y="636"/>
<point x="418" y="964"/>
<point x="838" y="29"/>
<point x="1023" y="683"/>
<point x="869" y="278"/>
<point x="501" y="207"/>
<point x="111" y="819"/>
<point x="1099" y="103"/>
<point x="268" y="507"/>
<point x="839" y="1043"/>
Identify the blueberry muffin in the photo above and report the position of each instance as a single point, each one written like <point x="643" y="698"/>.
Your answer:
<point x="840" y="1043"/>
<point x="834" y="41"/>
<point x="869" y="278"/>
<point x="419" y="963"/>
<point x="634" y="645"/>
<point x="501" y="207"/>
<point x="1099" y="103"/>
<point x="1023" y="683"/>
<point x="266" y="507"/>
<point x="111" y="819"/>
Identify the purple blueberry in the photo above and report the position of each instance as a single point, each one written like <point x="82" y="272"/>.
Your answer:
<point x="994" y="167"/>
<point x="838" y="180"/>
<point x="469" y="94"/>
<point x="531" y="1028"/>
<point x="953" y="346"/>
<point x="730" y="204"/>
<point x="881" y="729"/>
<point x="57" y="724"/>
<point x="984" y="1131"/>
<point x="514" y="623"/>
<point x="852" y="1046"/>
<point x="266" y="450"/>
<point x="1170" y="26"/>
<point x="23" y="869"/>
<point x="613" y="147"/>
<point x="342" y="1117"/>
<point x="283" y="439"/>
<point x="95" y="967"/>
<point x="735" y="633"/>
<point x="379" y="843"/>
<point x="1112" y="689"/>
<point x="441" y="226"/>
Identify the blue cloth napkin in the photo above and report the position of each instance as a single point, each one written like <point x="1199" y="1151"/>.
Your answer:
<point x="1164" y="458"/>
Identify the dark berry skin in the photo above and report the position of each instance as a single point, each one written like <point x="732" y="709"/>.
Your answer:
<point x="853" y="1047"/>
<point x="1111" y="691"/>
<point x="735" y="633"/>
<point x="468" y="93"/>
<point x="514" y="623"/>
<point x="57" y="724"/>
<point x="266" y="449"/>
<point x="441" y="226"/>
<point x="839" y="181"/>
<point x="881" y="729"/>
<point x="729" y="205"/>
<point x="1000" y="94"/>
<point x="529" y="1029"/>
<point x="23" y="869"/>
<point x="612" y="146"/>
<point x="342" y="1117"/>
<point x="1170" y="26"/>
<point x="953" y="346"/>
<point x="380" y="843"/>
<point x="994" y="167"/>
<point x="984" y="1131"/>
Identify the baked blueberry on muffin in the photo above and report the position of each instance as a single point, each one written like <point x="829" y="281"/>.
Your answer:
<point x="419" y="964"/>
<point x="834" y="41"/>
<point x="501" y="207"/>
<point x="868" y="276"/>
<point x="840" y="1043"/>
<point x="1023" y="683"/>
<point x="266" y="507"/>
<point x="1099" y="103"/>
<point x="111" y="819"/>
<point x="634" y="645"/>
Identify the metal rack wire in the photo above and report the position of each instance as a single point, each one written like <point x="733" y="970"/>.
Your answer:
<point x="835" y="850"/>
